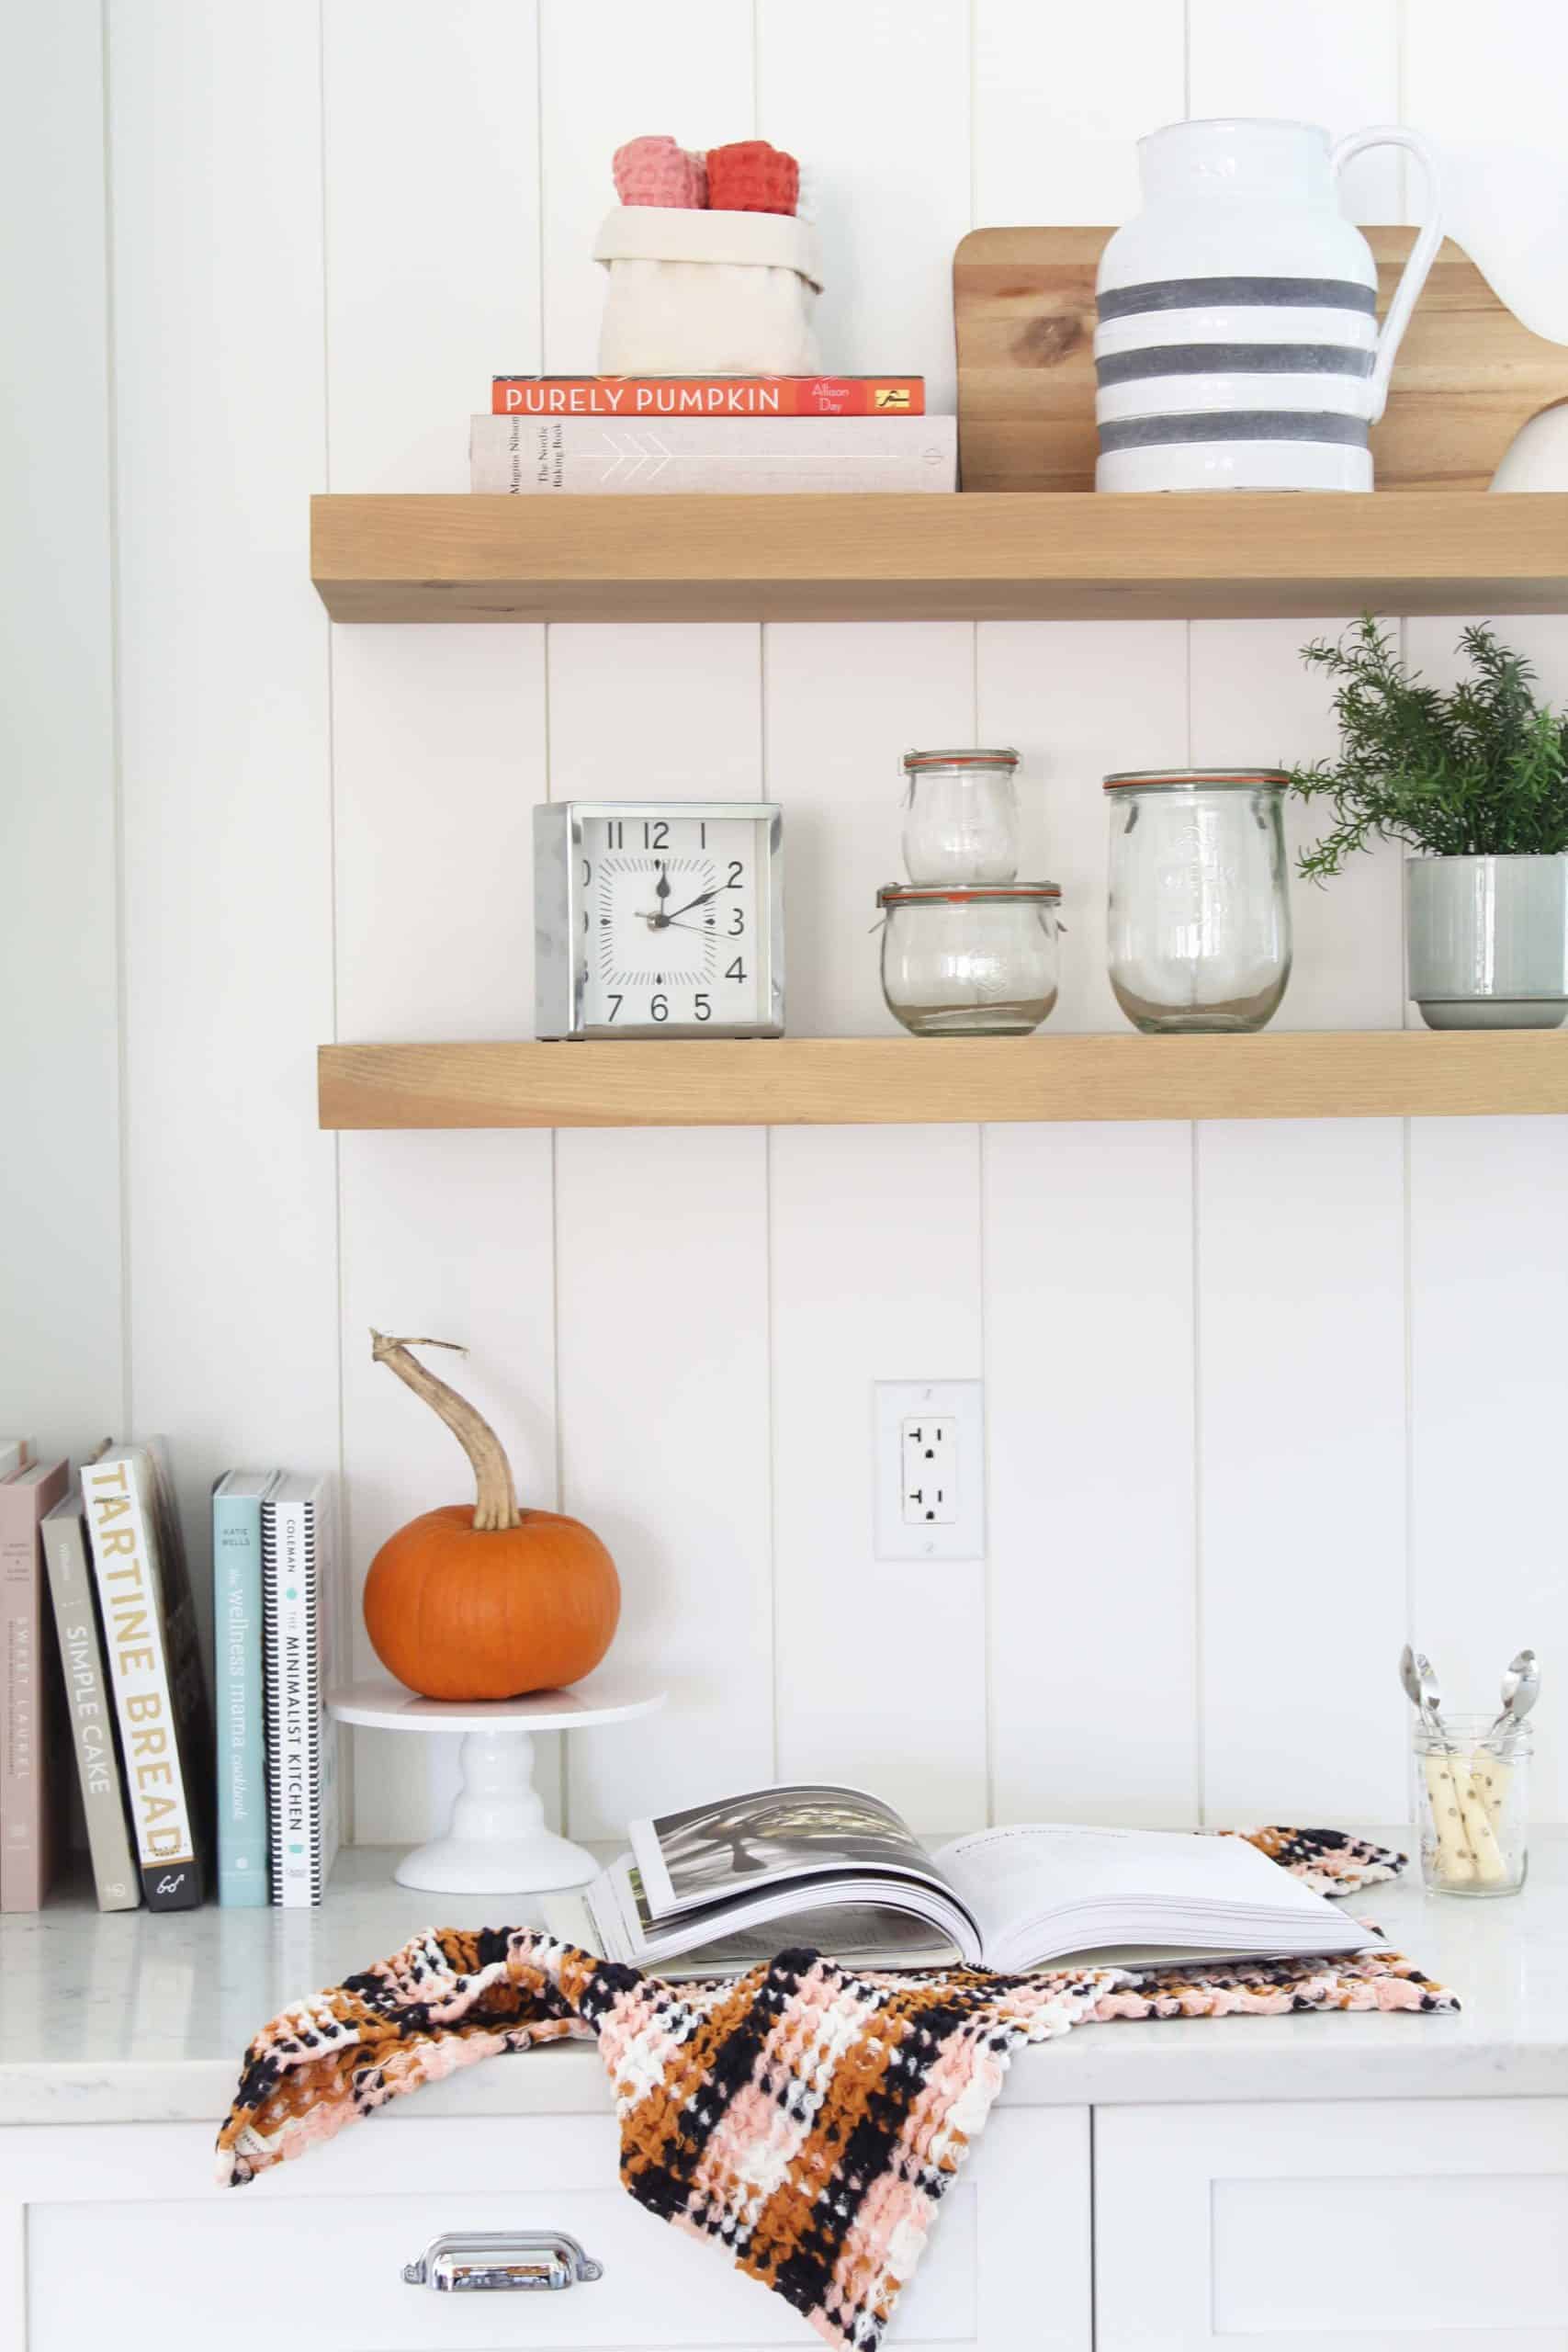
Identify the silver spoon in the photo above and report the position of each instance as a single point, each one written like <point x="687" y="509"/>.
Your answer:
<point x="1421" y="1689"/>
<point x="1521" y="1689"/>
<point x="1431" y="1697"/>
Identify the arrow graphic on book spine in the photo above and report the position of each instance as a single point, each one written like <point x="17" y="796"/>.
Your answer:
<point x="635" y="455"/>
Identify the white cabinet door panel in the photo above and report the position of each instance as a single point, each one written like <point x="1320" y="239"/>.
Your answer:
<point x="120" y="2222"/>
<point x="1418" y="2226"/>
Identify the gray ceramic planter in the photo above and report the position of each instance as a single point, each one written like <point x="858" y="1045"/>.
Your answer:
<point x="1486" y="940"/>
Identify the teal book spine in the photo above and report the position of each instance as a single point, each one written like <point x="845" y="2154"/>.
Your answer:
<point x="243" y="1844"/>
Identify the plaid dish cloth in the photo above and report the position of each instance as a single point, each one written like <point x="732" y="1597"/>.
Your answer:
<point x="806" y="2119"/>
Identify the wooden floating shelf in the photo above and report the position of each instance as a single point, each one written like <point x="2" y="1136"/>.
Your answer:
<point x="865" y="1081"/>
<point x="1001" y="556"/>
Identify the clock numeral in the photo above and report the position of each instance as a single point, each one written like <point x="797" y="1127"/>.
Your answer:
<point x="702" y="836"/>
<point x="738" y="924"/>
<point x="615" y="1005"/>
<point x="704" y="1010"/>
<point x="613" y="833"/>
<point x="659" y="1008"/>
<point x="587" y="872"/>
<point x="735" y="971"/>
<point x="656" y="836"/>
<point x="735" y="871"/>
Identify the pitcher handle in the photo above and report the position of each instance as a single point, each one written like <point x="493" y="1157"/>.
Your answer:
<point x="1422" y="254"/>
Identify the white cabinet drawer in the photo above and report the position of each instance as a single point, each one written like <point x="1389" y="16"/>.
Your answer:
<point x="1410" y="2225"/>
<point x="114" y="2227"/>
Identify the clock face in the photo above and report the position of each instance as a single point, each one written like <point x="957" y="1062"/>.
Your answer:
<point x="674" y="922"/>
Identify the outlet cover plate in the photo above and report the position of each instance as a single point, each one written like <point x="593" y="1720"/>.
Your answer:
<point x="895" y="1402"/>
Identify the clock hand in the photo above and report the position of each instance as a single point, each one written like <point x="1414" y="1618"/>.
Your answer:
<point x="661" y="887"/>
<point x="701" y="900"/>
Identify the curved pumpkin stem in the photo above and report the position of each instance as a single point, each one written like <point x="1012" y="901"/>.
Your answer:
<point x="495" y="1503"/>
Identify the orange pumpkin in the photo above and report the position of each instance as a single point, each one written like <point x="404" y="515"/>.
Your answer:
<point x="488" y="1601"/>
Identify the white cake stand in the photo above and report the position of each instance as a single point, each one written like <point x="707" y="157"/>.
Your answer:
<point x="496" y="1842"/>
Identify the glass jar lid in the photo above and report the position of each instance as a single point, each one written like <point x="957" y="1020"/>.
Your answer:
<point x="1237" y="779"/>
<point x="962" y="894"/>
<point x="967" y="758"/>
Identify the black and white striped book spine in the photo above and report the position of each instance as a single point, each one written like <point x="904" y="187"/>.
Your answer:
<point x="298" y="1601"/>
<point x="1244" y="381"/>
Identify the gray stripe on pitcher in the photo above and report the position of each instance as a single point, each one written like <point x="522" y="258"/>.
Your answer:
<point x="1223" y="293"/>
<point x="1235" y="359"/>
<point x="1235" y="425"/>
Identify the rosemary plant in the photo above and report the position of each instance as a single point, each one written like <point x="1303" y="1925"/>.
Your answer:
<point x="1478" y="769"/>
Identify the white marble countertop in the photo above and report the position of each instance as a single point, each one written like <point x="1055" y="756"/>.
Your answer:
<point x="131" y="2018"/>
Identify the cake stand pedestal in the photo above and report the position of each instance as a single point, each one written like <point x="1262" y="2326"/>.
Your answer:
<point x="496" y="1842"/>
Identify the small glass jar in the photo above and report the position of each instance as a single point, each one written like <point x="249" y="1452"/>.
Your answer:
<point x="961" y="816"/>
<point x="1199" y="916"/>
<point x="1473" y="1806"/>
<point x="976" y="960"/>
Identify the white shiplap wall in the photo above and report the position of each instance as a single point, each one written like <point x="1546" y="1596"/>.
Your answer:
<point x="1260" y="1398"/>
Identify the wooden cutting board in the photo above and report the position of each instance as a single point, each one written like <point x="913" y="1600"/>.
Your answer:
<point x="1467" y="377"/>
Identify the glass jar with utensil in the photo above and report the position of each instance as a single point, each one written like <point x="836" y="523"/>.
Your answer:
<point x="1472" y="1780"/>
<point x="976" y="960"/>
<point x="1472" y="1805"/>
<point x="1199" y="916"/>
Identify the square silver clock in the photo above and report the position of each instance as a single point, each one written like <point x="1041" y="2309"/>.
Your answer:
<point x="659" y="918"/>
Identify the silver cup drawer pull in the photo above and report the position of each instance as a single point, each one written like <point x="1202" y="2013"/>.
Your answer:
<point x="469" y="2262"/>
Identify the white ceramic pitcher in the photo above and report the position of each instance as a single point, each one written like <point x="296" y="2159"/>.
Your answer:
<point x="1237" y="346"/>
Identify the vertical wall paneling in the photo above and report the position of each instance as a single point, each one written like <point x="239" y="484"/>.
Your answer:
<point x="876" y="1238"/>
<point x="1336" y="62"/>
<point x="888" y="179"/>
<point x="843" y="704"/>
<point x="1506" y="88"/>
<point x="1488" y="1279"/>
<point x="663" y="1354"/>
<point x="1079" y="699"/>
<point x="1300" y="1353"/>
<point x="216" y="148"/>
<point x="875" y="1276"/>
<point x="320" y="236"/>
<point x="61" y="1377"/>
<point x="661" y="1272"/>
<point x="1089" y="1305"/>
<point x="1489" y="1297"/>
<point x="661" y="1245"/>
<point x="438" y="755"/>
<point x="1088" y="1373"/>
<point x="433" y="251"/>
<point x="1060" y="97"/>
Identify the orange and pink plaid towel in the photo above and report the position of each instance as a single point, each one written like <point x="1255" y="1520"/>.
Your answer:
<point x="807" y="2119"/>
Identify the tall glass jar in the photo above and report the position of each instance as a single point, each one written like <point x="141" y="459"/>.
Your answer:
<point x="976" y="961"/>
<point x="1200" y="917"/>
<point x="961" y="816"/>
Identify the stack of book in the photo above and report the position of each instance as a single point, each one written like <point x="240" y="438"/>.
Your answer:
<point x="668" y="434"/>
<point x="103" y="1680"/>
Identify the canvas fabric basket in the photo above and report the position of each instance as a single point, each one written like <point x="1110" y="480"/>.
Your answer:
<point x="708" y="293"/>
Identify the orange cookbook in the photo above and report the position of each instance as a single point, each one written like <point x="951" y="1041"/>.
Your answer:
<point x="635" y="396"/>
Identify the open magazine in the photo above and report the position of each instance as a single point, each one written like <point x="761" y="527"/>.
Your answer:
<point x="838" y="1870"/>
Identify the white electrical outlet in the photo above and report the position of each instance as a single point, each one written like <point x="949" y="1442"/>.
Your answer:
<point x="930" y="1465"/>
<point x="931" y="1471"/>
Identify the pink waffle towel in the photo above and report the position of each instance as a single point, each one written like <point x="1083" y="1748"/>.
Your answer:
<point x="655" y="171"/>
